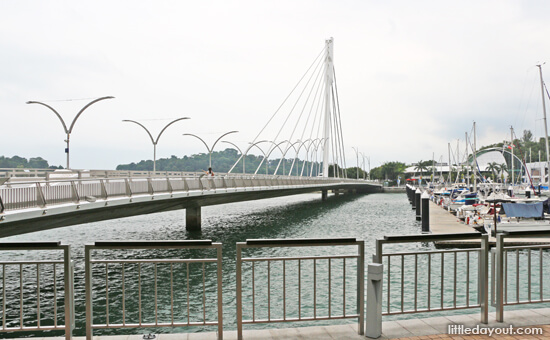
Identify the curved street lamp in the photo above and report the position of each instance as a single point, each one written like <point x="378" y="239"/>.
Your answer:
<point x="235" y="145"/>
<point x="70" y="129"/>
<point x="284" y="153"/>
<point x="317" y="142"/>
<point x="297" y="152"/>
<point x="275" y="145"/>
<point x="213" y="145"/>
<point x="155" y="141"/>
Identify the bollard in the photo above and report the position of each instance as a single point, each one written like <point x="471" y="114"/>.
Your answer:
<point x="527" y="193"/>
<point x="425" y="208"/>
<point x="510" y="191"/>
<point x="374" y="300"/>
<point x="417" y="195"/>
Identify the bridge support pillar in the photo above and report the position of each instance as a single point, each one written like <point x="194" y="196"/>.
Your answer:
<point x="193" y="219"/>
<point x="324" y="195"/>
<point x="336" y="192"/>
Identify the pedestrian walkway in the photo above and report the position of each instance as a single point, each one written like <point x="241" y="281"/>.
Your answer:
<point x="522" y="321"/>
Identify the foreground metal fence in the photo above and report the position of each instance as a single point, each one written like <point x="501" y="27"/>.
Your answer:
<point x="433" y="279"/>
<point x="286" y="305"/>
<point x="166" y="279"/>
<point x="516" y="283"/>
<point x="37" y="294"/>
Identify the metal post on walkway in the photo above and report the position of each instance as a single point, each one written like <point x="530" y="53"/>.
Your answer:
<point x="425" y="212"/>
<point x="374" y="300"/>
<point x="417" y="202"/>
<point x="499" y="301"/>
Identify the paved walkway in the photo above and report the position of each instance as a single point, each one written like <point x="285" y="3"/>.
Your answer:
<point x="413" y="329"/>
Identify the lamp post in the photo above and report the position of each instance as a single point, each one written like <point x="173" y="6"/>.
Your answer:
<point x="70" y="129"/>
<point x="357" y="156"/>
<point x="235" y="145"/>
<point x="363" y="155"/>
<point x="297" y="152"/>
<point x="213" y="145"/>
<point x="284" y="153"/>
<point x="155" y="141"/>
<point x="275" y="145"/>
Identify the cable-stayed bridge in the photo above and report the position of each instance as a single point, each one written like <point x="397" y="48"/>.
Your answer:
<point x="307" y="126"/>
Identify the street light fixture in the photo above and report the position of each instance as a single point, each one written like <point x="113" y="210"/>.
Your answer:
<point x="70" y="129"/>
<point x="235" y="145"/>
<point x="357" y="156"/>
<point x="213" y="145"/>
<point x="155" y="141"/>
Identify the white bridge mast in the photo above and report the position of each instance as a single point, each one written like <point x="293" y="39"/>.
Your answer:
<point x="329" y="79"/>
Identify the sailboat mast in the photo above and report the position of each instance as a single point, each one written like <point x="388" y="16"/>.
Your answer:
<point x="545" y="125"/>
<point x="475" y="160"/>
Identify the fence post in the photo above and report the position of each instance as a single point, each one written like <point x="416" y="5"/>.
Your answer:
<point x="1" y="205"/>
<point x="361" y="287"/>
<point x="128" y="187"/>
<point x="88" y="287"/>
<point x="499" y="301"/>
<point x="484" y="278"/>
<point x="74" y="192"/>
<point x="69" y="294"/>
<point x="374" y="300"/>
<point x="239" y="288"/>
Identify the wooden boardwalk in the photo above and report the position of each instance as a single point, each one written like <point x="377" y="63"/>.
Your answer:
<point x="443" y="222"/>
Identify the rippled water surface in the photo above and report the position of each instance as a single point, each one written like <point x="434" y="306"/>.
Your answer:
<point x="364" y="217"/>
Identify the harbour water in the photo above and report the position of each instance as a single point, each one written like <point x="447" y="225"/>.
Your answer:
<point x="366" y="217"/>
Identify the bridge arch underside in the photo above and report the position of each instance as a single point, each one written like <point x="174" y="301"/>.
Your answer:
<point x="38" y="219"/>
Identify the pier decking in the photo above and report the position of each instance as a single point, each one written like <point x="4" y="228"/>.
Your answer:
<point x="443" y="222"/>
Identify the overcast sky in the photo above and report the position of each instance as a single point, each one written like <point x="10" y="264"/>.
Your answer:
<point x="412" y="76"/>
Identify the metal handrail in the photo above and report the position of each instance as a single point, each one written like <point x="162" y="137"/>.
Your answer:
<point x="482" y="270"/>
<point x="40" y="194"/>
<point x="19" y="266"/>
<point x="171" y="262"/>
<point x="286" y="243"/>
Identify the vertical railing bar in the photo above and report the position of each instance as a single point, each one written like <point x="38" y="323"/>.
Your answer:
<point x="204" y="292"/>
<point x="253" y="293"/>
<point x="505" y="252"/>
<point x="517" y="275"/>
<point x="269" y="290"/>
<point x="442" y="277"/>
<point x="529" y="274"/>
<point x="344" y="286"/>
<point x="21" y="295"/>
<point x="415" y="282"/>
<point x="540" y="273"/>
<point x="188" y="307"/>
<point x="37" y="295"/>
<point x="139" y="293"/>
<point x="156" y="293"/>
<point x="454" y="287"/>
<point x="172" y="293"/>
<point x="468" y="279"/>
<point x="107" y="293"/>
<point x="429" y="281"/>
<point x="123" y="295"/>
<point x="299" y="289"/>
<point x="284" y="289"/>
<point x="54" y="295"/>
<point x="314" y="289"/>
<point x="329" y="288"/>
<point x="389" y="282"/>
<point x="402" y="283"/>
<point x="4" y="296"/>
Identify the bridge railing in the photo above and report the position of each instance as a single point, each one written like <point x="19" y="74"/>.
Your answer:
<point x="37" y="294"/>
<point x="23" y="195"/>
<point x="275" y="286"/>
<point x="170" y="291"/>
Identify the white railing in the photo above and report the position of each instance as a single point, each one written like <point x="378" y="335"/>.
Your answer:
<point x="113" y="280"/>
<point x="286" y="272"/>
<point x="40" y="194"/>
<point x="37" y="295"/>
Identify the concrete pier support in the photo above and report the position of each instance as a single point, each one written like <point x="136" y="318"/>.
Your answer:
<point x="193" y="218"/>
<point x="425" y="212"/>
<point x="417" y="203"/>
<point x="336" y="192"/>
<point x="324" y="195"/>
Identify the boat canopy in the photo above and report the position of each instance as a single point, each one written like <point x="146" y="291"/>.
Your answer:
<point x="525" y="210"/>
